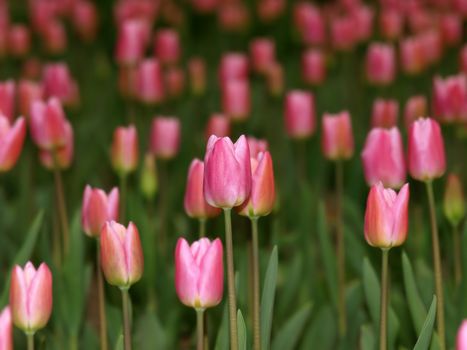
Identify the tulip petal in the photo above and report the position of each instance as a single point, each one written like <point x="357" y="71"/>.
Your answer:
<point x="133" y="254"/>
<point x="211" y="280"/>
<point x="186" y="274"/>
<point x="19" y="298"/>
<point x="113" y="255"/>
<point x="40" y="298"/>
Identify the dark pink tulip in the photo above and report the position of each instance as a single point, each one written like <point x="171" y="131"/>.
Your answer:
<point x="11" y="141"/>
<point x="19" y="40"/>
<point x="145" y="10"/>
<point x="54" y="37"/>
<point x="236" y="100"/>
<point x="6" y="329"/>
<point x="415" y="107"/>
<point x="28" y="92"/>
<point x="199" y="273"/>
<point x="386" y="216"/>
<point x="337" y="140"/>
<point x="381" y="63"/>
<point x="194" y="202"/>
<point x="313" y="66"/>
<point x="205" y="6"/>
<point x="197" y="75"/>
<point x="121" y="254"/>
<point x="426" y="157"/>
<point x="299" y="114"/>
<point x="450" y="98"/>
<point x="219" y="125"/>
<point x="98" y="207"/>
<point x="262" y="54"/>
<point x="262" y="195"/>
<point x="233" y="16"/>
<point x="420" y="19"/>
<point x="343" y="33"/>
<point x="275" y="79"/>
<point x="451" y="29"/>
<point x="391" y="23"/>
<point x="7" y="98"/>
<point x="132" y="39"/>
<point x="62" y="157"/>
<point x="165" y="137"/>
<point x="363" y="19"/>
<point x="227" y="172"/>
<point x="167" y="46"/>
<point x="383" y="158"/>
<point x="149" y="81"/>
<point x="31" y="296"/>
<point x="269" y="10"/>
<point x="124" y="152"/>
<point x="233" y="66"/>
<point x="463" y="59"/>
<point x="257" y="146"/>
<point x="385" y="113"/>
<point x="85" y="19"/>
<point x="58" y="82"/>
<point x="461" y="339"/>
<point x="432" y="45"/>
<point x="412" y="55"/>
<point x="310" y="23"/>
<point x="175" y="81"/>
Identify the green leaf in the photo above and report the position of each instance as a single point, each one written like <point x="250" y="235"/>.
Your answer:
<point x="288" y="337"/>
<point x="119" y="344"/>
<point x="222" y="341"/>
<point x="149" y="333"/>
<point x="24" y="254"/>
<point x="367" y="337"/>
<point x="415" y="304"/>
<point x="424" y="339"/>
<point x="241" y="331"/>
<point x="267" y="299"/>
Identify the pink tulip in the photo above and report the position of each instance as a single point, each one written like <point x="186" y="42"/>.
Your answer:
<point x="175" y="81"/>
<point x="98" y="207"/>
<point x="124" y="153"/>
<point x="198" y="75"/>
<point x="450" y="98"/>
<point x="205" y="6"/>
<point x="432" y="45"/>
<point x="121" y="254"/>
<point x="391" y="24"/>
<point x="7" y="99"/>
<point x="54" y="38"/>
<point x="262" y="195"/>
<point x="31" y="69"/>
<point x="236" y="102"/>
<point x="132" y="40"/>
<point x="233" y="66"/>
<point x="59" y="83"/>
<point x="165" y="137"/>
<point x="337" y="139"/>
<point x="31" y="296"/>
<point x="451" y="29"/>
<point x="149" y="81"/>
<point x="461" y="339"/>
<point x="270" y="10"/>
<point x="6" y="329"/>
<point x="233" y="16"/>
<point x="194" y="202"/>
<point x="313" y="66"/>
<point x="299" y="114"/>
<point x="381" y="63"/>
<point x="11" y="141"/>
<point x="19" y="40"/>
<point x="62" y="157"/>
<point x="227" y="172"/>
<point x="167" y="46"/>
<point x="411" y="55"/>
<point x="145" y="10"/>
<point x="343" y="33"/>
<point x="310" y="23"/>
<point x="463" y="59"/>
<point x="199" y="273"/>
<point x="383" y="158"/>
<point x="127" y="81"/>
<point x="218" y="125"/>
<point x="28" y="92"/>
<point x="363" y="19"/>
<point x="262" y="53"/>
<point x="426" y="157"/>
<point x="415" y="107"/>
<point x="420" y="19"/>
<point x="275" y="79"/>
<point x="385" y="113"/>
<point x="85" y="19"/>
<point x="257" y="146"/>
<point x="386" y="216"/>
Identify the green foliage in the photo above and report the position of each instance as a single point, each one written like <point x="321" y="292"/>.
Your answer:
<point x="267" y="300"/>
<point x="424" y="339"/>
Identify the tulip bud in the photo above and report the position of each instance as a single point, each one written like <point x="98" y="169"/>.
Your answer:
<point x="148" y="177"/>
<point x="299" y="114"/>
<point x="59" y="83"/>
<point x="19" y="41"/>
<point x="165" y="137"/>
<point x="31" y="297"/>
<point x="233" y="66"/>
<point x="167" y="46"/>
<point x="391" y="23"/>
<point x="256" y="146"/>
<point x="337" y="140"/>
<point x="386" y="216"/>
<point x="175" y="81"/>
<point x="61" y="157"/>
<point x="54" y="37"/>
<point x="149" y="82"/>
<point x="98" y="207"/>
<point x="363" y="21"/>
<point x="383" y="158"/>
<point x="197" y="74"/>
<point x="131" y="42"/>
<point x="451" y="29"/>
<point x="233" y="16"/>
<point x="28" y="92"/>
<point x="7" y="99"/>
<point x="199" y="273"/>
<point x="450" y="98"/>
<point x="454" y="203"/>
<point x="343" y="33"/>
<point x="411" y="55"/>
<point x="121" y="254"/>
<point x="11" y="141"/>
<point x="205" y="6"/>
<point x="310" y="23"/>
<point x="236" y="102"/>
<point x="219" y="125"/>
<point x="385" y="113"/>
<point x="262" y="53"/>
<point x="227" y="172"/>
<point x="313" y="66"/>
<point x="461" y="340"/>
<point x="426" y="155"/>
<point x="85" y="19"/>
<point x="124" y="153"/>
<point x="432" y="45"/>
<point x="6" y="329"/>
<point x="381" y="64"/>
<point x="415" y="107"/>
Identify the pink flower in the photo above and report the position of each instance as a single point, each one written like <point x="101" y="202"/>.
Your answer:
<point x="461" y="340"/>
<point x="165" y="137"/>
<point x="450" y="98"/>
<point x="7" y="99"/>
<point x="386" y="216"/>
<point x="199" y="273"/>
<point x="381" y="63"/>
<point x="6" y="329"/>
<point x="98" y="207"/>
<point x="415" y="107"/>
<point x="19" y="41"/>
<point x="411" y="55"/>
<point x="343" y="33"/>
<point x="28" y="92"/>
<point x="149" y="81"/>
<point x="310" y="23"/>
<point x="236" y="102"/>
<point x="275" y="79"/>
<point x="59" y="83"/>
<point x="313" y="66"/>
<point x="219" y="125"/>
<point x="85" y="19"/>
<point x="363" y="21"/>
<point x="257" y="146"/>
<point x="167" y="46"/>
<point x="175" y="81"/>
<point x="132" y="39"/>
<point x="385" y="113"/>
<point x="337" y="139"/>
<point x="11" y="141"/>
<point x="451" y="29"/>
<point x="54" y="37"/>
<point x="269" y="10"/>
<point x="60" y="157"/>
<point x="233" y="66"/>
<point x="391" y="23"/>
<point x="262" y="53"/>
<point x="299" y="114"/>
<point x="124" y="153"/>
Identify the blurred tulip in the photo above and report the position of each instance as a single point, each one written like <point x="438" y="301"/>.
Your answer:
<point x="58" y="82"/>
<point x="337" y="140"/>
<point x="386" y="216"/>
<point x="61" y="157"/>
<point x="98" y="207"/>
<point x="299" y="114"/>
<point x="426" y="157"/>
<point x="383" y="158"/>
<point x="269" y="10"/>
<point x="84" y="18"/>
<point x="175" y="81"/>
<point x="199" y="273"/>
<point x="31" y="68"/>
<point x="432" y="45"/>
<point x="233" y="66"/>
<point x="11" y="141"/>
<point x="205" y="6"/>
<point x="198" y="75"/>
<point x="28" y="92"/>
<point x="233" y="16"/>
<point x="391" y="24"/>
<point x="450" y="98"/>
<point x="6" y="329"/>
<point x="144" y="10"/>
<point x="463" y="59"/>
<point x="165" y="137"/>
<point x="454" y="202"/>
<point x="411" y="55"/>
<point x="149" y="81"/>
<point x="257" y="146"/>
<point x="219" y="125"/>
<point x="262" y="54"/>
<point x="148" y="177"/>
<point x="121" y="254"/>
<point x="127" y="81"/>
<point x="275" y="79"/>
<point x="381" y="63"/>
<point x="461" y="339"/>
<point x="310" y="23"/>
<point x="236" y="100"/>
<point x="54" y="37"/>
<point x="385" y="113"/>
<point x="343" y="33"/>
<point x="31" y="297"/>
<point x="124" y="153"/>
<point x="363" y="22"/>
<point x="415" y="107"/>
<point x="19" y="40"/>
<point x="451" y="29"/>
<point x="227" y="172"/>
<point x="131" y="41"/>
<point x="313" y="66"/>
<point x="7" y="99"/>
<point x="167" y="46"/>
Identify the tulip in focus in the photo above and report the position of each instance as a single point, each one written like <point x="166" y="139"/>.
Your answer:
<point x="11" y="141"/>
<point x="262" y="53"/>
<point x="124" y="152"/>
<point x="6" y="329"/>
<point x="450" y="98"/>
<point x="7" y="99"/>
<point x="149" y="82"/>
<point x="381" y="64"/>
<point x="167" y="46"/>
<point x="454" y="202"/>
<point x="98" y="207"/>
<point x="219" y="125"/>
<point x="236" y="102"/>
<point x="299" y="114"/>
<point x="415" y="107"/>
<point x="337" y="138"/>
<point x="461" y="339"/>
<point x="313" y="66"/>
<point x="385" y="113"/>
<point x="165" y="137"/>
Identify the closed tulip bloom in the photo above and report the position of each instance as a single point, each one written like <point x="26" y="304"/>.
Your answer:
<point x="381" y="63"/>
<point x="415" y="107"/>
<point x="432" y="45"/>
<point x="257" y="146"/>
<point x="6" y="329"/>
<point x="383" y="158"/>
<point x="205" y="6"/>
<point x="165" y="137"/>
<point x="98" y="207"/>
<point x="175" y="81"/>
<point x="7" y="99"/>
<point x="61" y="157"/>
<point x="391" y="23"/>
<point x="313" y="66"/>
<point x="233" y="16"/>
<point x="19" y="41"/>
<point x="219" y="125"/>
<point x="28" y="92"/>
<point x="411" y="55"/>
<point x="385" y="113"/>
<point x="463" y="59"/>
<point x="85" y="19"/>
<point x="343" y="33"/>
<point x="121" y="254"/>
<point x="167" y="46"/>
<point x="363" y="18"/>
<point x="124" y="153"/>
<point x="262" y="53"/>
<point x="426" y="157"/>
<point x="262" y="195"/>
<point x="310" y="23"/>
<point x="461" y="339"/>
<point x="451" y="29"/>
<point x="299" y="114"/>
<point x="149" y="81"/>
<point x="450" y="98"/>
<point x="227" y="172"/>
<point x="11" y="141"/>
<point x="198" y="75"/>
<point x="454" y="202"/>
<point x="194" y="202"/>
<point x="59" y="83"/>
<point x="131" y="41"/>
<point x="269" y="10"/>
<point x="386" y="216"/>
<point x="275" y="79"/>
<point x="54" y="38"/>
<point x="337" y="140"/>
<point x="199" y="273"/>
<point x="233" y="66"/>
<point x="31" y="297"/>
<point x="236" y="100"/>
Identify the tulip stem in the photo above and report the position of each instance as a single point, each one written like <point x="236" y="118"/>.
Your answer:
<point x="101" y="300"/>
<point x="231" y="281"/>
<point x="384" y="301"/>
<point x="202" y="227"/>
<point x="340" y="249"/>
<point x="457" y="255"/>
<point x="199" y="329"/>
<point x="256" y="286"/>
<point x="62" y="212"/>
<point x="437" y="266"/>
<point x="30" y="337"/>
<point x="126" y="319"/>
<point x="123" y="195"/>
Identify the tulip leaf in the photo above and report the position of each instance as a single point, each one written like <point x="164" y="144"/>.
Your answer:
<point x="149" y="333"/>
<point x="267" y="299"/>
<point x="24" y="254"/>
<point x="367" y="337"/>
<point x="288" y="337"/>
<point x="322" y="331"/>
<point x="241" y="331"/>
<point x="119" y="344"/>
<point x="222" y="341"/>
<point x="424" y="339"/>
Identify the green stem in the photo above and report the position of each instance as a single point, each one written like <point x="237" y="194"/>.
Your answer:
<point x="123" y="195"/>
<point x="126" y="319"/>
<point x="73" y="342"/>
<point x="340" y="250"/>
<point x="457" y="255"/>
<point x="231" y="281"/>
<point x="256" y="287"/>
<point x="62" y="212"/>
<point x="384" y="301"/>
<point x="437" y="266"/>
<point x="101" y="301"/>
<point x="30" y="337"/>
<point x="202" y="227"/>
<point x="199" y="329"/>
<point x="163" y="207"/>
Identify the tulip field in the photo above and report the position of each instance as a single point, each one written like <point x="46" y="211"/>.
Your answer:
<point x="233" y="174"/>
